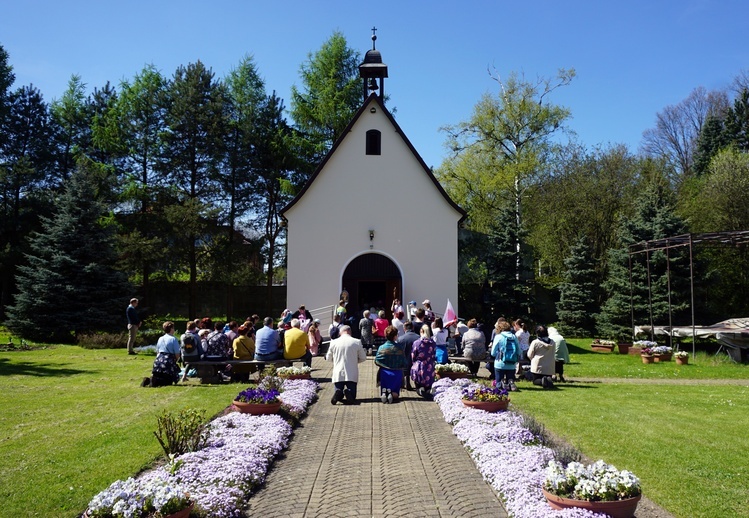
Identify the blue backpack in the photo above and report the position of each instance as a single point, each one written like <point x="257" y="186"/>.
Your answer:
<point x="509" y="353"/>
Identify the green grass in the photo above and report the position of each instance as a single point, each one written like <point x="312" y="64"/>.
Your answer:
<point x="687" y="443"/>
<point x="586" y="363"/>
<point x="73" y="420"/>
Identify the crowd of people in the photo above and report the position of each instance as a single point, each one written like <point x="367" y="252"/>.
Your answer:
<point x="406" y="350"/>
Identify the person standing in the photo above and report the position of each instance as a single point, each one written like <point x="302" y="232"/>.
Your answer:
<point x="365" y="329"/>
<point x="315" y="337"/>
<point x="524" y="341"/>
<point x="440" y="341"/>
<point x="133" y="323"/>
<point x="474" y="346"/>
<point x="407" y="341"/>
<point x="346" y="353"/>
<point x="423" y="360"/>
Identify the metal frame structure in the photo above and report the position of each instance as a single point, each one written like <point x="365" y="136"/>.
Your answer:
<point x="734" y="238"/>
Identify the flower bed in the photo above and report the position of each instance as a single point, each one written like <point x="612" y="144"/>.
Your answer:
<point x="451" y="367"/>
<point x="506" y="453"/>
<point x="220" y="477"/>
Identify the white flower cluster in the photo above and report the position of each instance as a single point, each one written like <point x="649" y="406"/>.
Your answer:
<point x="596" y="482"/>
<point x="645" y="343"/>
<point x="131" y="497"/>
<point x="452" y="367"/>
<point x="681" y="354"/>
<point x="293" y="371"/>
<point x="661" y="349"/>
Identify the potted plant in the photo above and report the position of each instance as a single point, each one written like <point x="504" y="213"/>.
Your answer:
<point x="490" y="399"/>
<point x="258" y="401"/>
<point x="682" y="357"/>
<point x="604" y="346"/>
<point x="294" y="373"/>
<point x="639" y="347"/>
<point x="661" y="353"/>
<point x="132" y="497"/>
<point x="598" y="487"/>
<point x="452" y="370"/>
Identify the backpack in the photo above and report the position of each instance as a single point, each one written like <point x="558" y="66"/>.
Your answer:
<point x="510" y="351"/>
<point x="190" y="347"/>
<point x="334" y="332"/>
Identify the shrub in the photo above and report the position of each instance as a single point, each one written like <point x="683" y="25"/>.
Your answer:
<point x="103" y="340"/>
<point x="181" y="432"/>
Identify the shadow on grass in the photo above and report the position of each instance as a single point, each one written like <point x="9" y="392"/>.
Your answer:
<point x="576" y="349"/>
<point x="35" y="369"/>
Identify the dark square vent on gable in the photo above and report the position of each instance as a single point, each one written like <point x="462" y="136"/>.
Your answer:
<point x="374" y="142"/>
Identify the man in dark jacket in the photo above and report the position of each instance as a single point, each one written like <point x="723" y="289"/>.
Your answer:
<point x="133" y="323"/>
<point x="407" y="341"/>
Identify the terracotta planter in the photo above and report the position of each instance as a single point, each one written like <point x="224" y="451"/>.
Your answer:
<point x="663" y="357"/>
<point x="633" y="349"/>
<point x="616" y="508"/>
<point x="452" y="375"/>
<point x="487" y="406"/>
<point x="624" y="347"/>
<point x="682" y="361"/>
<point x="647" y="358"/>
<point x="297" y="377"/>
<point x="602" y="348"/>
<point x="257" y="408"/>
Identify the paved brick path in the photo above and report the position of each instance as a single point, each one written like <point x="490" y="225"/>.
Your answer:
<point x="336" y="465"/>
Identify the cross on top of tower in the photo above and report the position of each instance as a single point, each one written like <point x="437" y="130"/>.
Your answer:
<point x="374" y="36"/>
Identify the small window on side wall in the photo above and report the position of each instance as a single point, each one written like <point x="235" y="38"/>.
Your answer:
<point x="374" y="141"/>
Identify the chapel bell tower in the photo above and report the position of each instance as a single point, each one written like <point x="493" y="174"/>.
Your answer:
<point x="373" y="71"/>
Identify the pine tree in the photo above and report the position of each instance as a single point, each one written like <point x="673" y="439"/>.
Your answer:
<point x="577" y="302"/>
<point x="654" y="219"/>
<point x="711" y="140"/>
<point x="69" y="285"/>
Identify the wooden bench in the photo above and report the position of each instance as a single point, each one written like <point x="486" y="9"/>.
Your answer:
<point x="209" y="371"/>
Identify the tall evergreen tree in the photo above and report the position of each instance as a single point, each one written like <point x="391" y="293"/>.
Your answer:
<point x="69" y="285"/>
<point x="712" y="139"/>
<point x="654" y="219"/>
<point x="737" y="122"/>
<point x="578" y="292"/>
<point x="6" y="82"/>
<point x="329" y="96"/>
<point x="193" y="151"/>
<point x="72" y="126"/>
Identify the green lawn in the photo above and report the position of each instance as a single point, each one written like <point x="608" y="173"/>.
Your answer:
<point x="73" y="420"/>
<point x="586" y="363"/>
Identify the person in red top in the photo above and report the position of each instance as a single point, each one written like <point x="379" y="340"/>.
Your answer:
<point x="380" y="324"/>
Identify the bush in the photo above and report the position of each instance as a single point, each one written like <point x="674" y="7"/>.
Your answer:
<point x="181" y="432"/>
<point x="103" y="340"/>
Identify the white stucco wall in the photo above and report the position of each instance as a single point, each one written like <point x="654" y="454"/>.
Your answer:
<point x="390" y="193"/>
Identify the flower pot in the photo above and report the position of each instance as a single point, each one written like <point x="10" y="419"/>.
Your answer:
<point x="682" y="361"/>
<point x="452" y="375"/>
<point x="647" y="358"/>
<point x="663" y="357"/>
<point x="297" y="377"/>
<point x="257" y="408"/>
<point x="624" y="347"/>
<point x="487" y="406"/>
<point x="633" y="349"/>
<point x="602" y="348"/>
<point x="615" y="508"/>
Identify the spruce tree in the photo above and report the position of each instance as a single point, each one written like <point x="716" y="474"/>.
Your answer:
<point x="654" y="219"/>
<point x="578" y="293"/>
<point x="69" y="285"/>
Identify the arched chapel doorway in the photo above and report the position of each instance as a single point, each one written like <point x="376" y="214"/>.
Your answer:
<point x="372" y="279"/>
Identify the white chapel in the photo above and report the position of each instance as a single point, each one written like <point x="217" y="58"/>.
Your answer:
<point x="372" y="220"/>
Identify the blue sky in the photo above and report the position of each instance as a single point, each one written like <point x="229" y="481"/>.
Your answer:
<point x="632" y="58"/>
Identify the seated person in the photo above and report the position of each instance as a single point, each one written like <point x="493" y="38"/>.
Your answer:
<point x="191" y="347"/>
<point x="268" y="346"/>
<point x="296" y="344"/>
<point x="244" y="349"/>
<point x="391" y="360"/>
